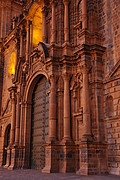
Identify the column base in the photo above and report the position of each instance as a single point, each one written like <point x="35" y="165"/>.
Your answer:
<point x="14" y="158"/>
<point x="60" y="157"/>
<point x="1" y="157"/>
<point x="51" y="157"/>
<point x="11" y="167"/>
<point x="92" y="157"/>
<point x="87" y="138"/>
<point x="46" y="170"/>
<point x="6" y="166"/>
<point x="8" y="158"/>
<point x="21" y="158"/>
<point x="67" y="154"/>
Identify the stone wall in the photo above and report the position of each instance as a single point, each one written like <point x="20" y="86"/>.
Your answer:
<point x="112" y="123"/>
<point x="109" y="26"/>
<point x="7" y="79"/>
<point x="90" y="155"/>
<point x="8" y="10"/>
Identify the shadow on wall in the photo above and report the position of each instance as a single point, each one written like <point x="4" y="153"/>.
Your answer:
<point x="6" y="142"/>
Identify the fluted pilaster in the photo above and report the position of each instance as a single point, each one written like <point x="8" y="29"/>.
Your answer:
<point x="52" y="109"/>
<point x="84" y="14"/>
<point x="86" y="105"/>
<point x="53" y="33"/>
<point x="17" y="131"/>
<point x="66" y="21"/>
<point x="27" y="40"/>
<point x="43" y="24"/>
<point x="66" y="79"/>
<point x="13" y="120"/>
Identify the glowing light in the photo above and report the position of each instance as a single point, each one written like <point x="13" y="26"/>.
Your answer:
<point x="11" y="65"/>
<point x="37" y="27"/>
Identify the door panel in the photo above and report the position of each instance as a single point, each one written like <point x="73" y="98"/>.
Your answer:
<point x="39" y="124"/>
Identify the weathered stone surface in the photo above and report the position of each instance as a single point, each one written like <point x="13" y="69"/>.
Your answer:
<point x="79" y="57"/>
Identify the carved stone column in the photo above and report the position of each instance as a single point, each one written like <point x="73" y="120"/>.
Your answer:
<point x="60" y="114"/>
<point x="43" y="24"/>
<point x="7" y="158"/>
<point x="31" y="36"/>
<point x="84" y="14"/>
<point x="66" y="21"/>
<point x="52" y="109"/>
<point x="12" y="136"/>
<point x="86" y="106"/>
<point x="21" y="43"/>
<point x="13" y="23"/>
<point x="27" y="40"/>
<point x="21" y="137"/>
<point x="53" y="33"/>
<point x="14" y="149"/>
<point x="66" y="78"/>
<point x="2" y="20"/>
<point x="17" y="131"/>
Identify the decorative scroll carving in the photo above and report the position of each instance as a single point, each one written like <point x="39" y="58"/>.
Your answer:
<point x="25" y="67"/>
<point x="76" y="81"/>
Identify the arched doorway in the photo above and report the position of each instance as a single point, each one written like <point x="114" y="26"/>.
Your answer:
<point x="6" y="143"/>
<point x="39" y="123"/>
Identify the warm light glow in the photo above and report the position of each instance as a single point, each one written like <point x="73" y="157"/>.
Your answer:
<point x="11" y="67"/>
<point x="37" y="27"/>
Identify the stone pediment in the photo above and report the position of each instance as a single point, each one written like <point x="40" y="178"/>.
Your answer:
<point x="43" y="49"/>
<point x="40" y="53"/>
<point x="7" y="108"/>
<point x="115" y="72"/>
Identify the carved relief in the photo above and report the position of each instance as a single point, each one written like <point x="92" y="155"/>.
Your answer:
<point x="76" y="105"/>
<point x="76" y="86"/>
<point x="76" y="81"/>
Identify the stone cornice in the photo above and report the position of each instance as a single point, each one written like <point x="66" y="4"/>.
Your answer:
<point x="11" y="35"/>
<point x="20" y="2"/>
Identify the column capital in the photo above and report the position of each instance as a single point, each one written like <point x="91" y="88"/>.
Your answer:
<point x="53" y="2"/>
<point x="18" y="95"/>
<point x="12" y="91"/>
<point x="66" y="2"/>
<point x="85" y="68"/>
<point x="66" y="76"/>
<point x="22" y="31"/>
<point x="52" y="78"/>
<point x="44" y="9"/>
<point x="28" y="24"/>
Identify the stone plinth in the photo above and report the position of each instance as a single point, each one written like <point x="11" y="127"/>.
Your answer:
<point x="92" y="158"/>
<point x="67" y="154"/>
<point x="8" y="158"/>
<point x="51" y="158"/>
<point x="60" y="157"/>
<point x="14" y="158"/>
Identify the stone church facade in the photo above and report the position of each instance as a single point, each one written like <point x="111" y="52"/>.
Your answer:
<point x="60" y="85"/>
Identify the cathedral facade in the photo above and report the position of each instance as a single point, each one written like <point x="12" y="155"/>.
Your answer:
<point x="60" y="85"/>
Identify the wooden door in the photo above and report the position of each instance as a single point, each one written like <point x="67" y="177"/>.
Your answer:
<point x="39" y="123"/>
